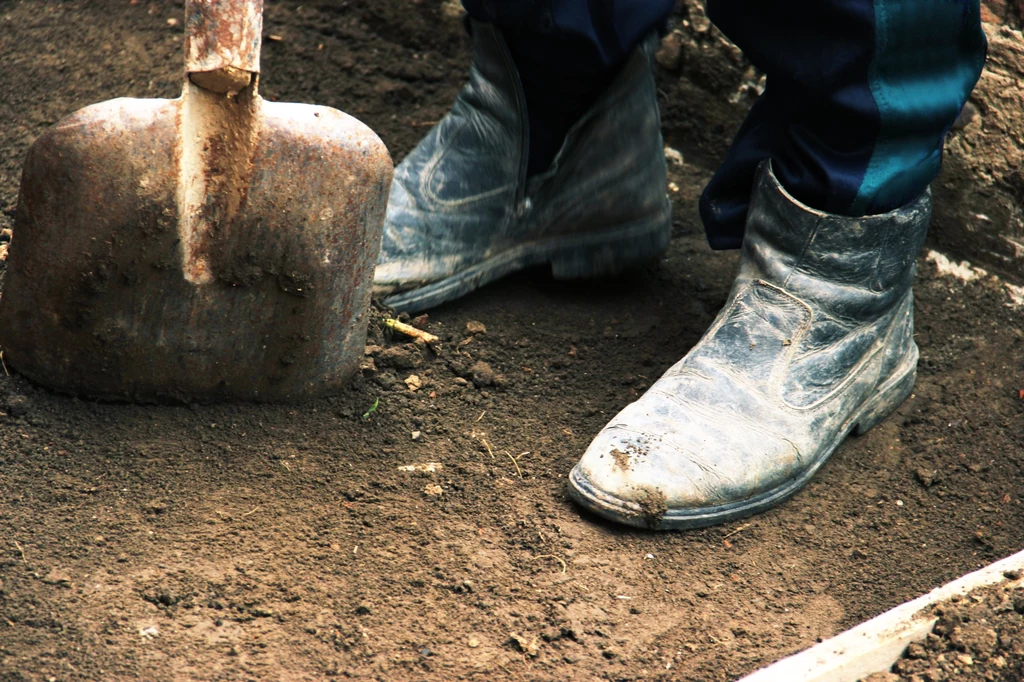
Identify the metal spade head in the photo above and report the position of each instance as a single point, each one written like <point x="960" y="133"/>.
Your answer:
<point x="215" y="246"/>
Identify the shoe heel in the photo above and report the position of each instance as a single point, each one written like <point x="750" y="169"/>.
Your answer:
<point x="887" y="399"/>
<point x="608" y="254"/>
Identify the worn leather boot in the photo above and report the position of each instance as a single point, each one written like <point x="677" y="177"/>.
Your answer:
<point x="814" y="342"/>
<point x="462" y="211"/>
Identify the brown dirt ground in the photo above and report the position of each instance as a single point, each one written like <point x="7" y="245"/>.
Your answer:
<point x="239" y="542"/>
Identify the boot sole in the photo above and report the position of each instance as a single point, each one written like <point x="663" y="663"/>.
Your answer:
<point x="887" y="398"/>
<point x="572" y="257"/>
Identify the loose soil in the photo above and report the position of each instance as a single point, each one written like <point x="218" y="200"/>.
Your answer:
<point x="979" y="637"/>
<point x="431" y="537"/>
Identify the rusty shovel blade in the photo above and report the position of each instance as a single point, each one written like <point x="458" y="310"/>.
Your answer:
<point x="214" y="246"/>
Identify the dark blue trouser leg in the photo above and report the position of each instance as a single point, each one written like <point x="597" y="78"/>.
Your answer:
<point x="860" y="95"/>
<point x="566" y="52"/>
<point x="605" y="31"/>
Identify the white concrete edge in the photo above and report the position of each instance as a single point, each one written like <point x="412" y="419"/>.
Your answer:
<point x="874" y="645"/>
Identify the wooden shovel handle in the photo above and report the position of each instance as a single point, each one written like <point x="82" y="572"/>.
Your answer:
<point x="222" y="42"/>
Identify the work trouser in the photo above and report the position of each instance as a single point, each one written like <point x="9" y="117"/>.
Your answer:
<point x="860" y="93"/>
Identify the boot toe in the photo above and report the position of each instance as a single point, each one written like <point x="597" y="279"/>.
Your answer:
<point x="663" y="463"/>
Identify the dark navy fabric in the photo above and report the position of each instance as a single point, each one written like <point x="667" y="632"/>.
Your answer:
<point x="860" y="93"/>
<point x="607" y="30"/>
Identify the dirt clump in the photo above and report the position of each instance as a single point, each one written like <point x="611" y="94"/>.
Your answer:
<point x="621" y="459"/>
<point x="653" y="506"/>
<point x="482" y="374"/>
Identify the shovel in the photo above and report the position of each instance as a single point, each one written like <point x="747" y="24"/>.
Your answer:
<point x="215" y="246"/>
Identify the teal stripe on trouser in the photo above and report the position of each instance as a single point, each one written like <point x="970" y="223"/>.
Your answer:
<point x="927" y="60"/>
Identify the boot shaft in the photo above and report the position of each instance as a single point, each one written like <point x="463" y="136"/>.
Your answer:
<point x="851" y="268"/>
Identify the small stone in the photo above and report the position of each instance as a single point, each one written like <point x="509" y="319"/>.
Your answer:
<point x="474" y="327"/>
<point x="434" y="490"/>
<point x="416" y="435"/>
<point x="452" y="9"/>
<point x="473" y="642"/>
<point x="363" y="610"/>
<point x="413" y="382"/>
<point x="673" y="156"/>
<point x="529" y="647"/>
<point x="698" y="18"/>
<point x="425" y="467"/>
<point x="926" y="477"/>
<point x="965" y="659"/>
<point x="459" y="381"/>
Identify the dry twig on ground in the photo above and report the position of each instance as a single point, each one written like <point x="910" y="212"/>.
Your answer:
<point x="409" y="330"/>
